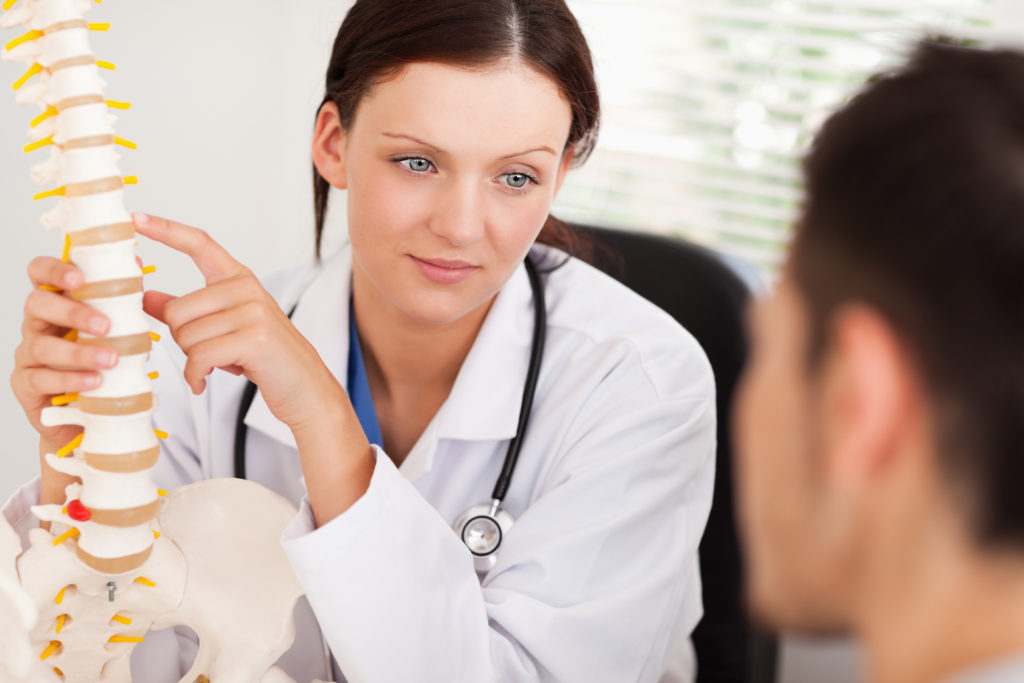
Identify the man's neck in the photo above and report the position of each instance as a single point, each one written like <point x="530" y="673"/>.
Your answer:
<point x="952" y="609"/>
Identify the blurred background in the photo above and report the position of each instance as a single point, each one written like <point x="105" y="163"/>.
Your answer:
<point x="708" y="106"/>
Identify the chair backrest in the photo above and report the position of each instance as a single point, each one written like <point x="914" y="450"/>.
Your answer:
<point x="696" y="288"/>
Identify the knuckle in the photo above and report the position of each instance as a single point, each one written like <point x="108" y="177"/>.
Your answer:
<point x="36" y="346"/>
<point x="34" y="380"/>
<point x="32" y="302"/>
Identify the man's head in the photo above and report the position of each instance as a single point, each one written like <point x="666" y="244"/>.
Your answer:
<point x="882" y="414"/>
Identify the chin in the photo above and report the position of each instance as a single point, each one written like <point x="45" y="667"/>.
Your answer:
<point x="798" y="610"/>
<point x="433" y="308"/>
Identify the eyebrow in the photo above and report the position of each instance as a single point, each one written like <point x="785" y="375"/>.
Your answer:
<point x="542" y="148"/>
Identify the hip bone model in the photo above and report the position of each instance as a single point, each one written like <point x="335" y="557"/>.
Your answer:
<point x="123" y="558"/>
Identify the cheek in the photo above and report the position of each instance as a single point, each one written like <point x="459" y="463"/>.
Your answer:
<point x="381" y="205"/>
<point x="514" y="222"/>
<point x="774" y="495"/>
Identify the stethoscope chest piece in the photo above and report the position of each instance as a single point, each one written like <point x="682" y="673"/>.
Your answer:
<point x="482" y="528"/>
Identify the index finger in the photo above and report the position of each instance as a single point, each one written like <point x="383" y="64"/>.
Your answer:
<point x="213" y="260"/>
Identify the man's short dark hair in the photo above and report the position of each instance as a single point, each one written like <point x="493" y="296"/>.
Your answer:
<point x="915" y="206"/>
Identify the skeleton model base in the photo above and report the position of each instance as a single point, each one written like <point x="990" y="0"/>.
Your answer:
<point x="122" y="557"/>
<point x="212" y="569"/>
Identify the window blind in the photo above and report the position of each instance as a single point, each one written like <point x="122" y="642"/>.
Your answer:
<point x="709" y="104"/>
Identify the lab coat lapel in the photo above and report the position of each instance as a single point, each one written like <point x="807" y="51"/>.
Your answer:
<point x="322" y="318"/>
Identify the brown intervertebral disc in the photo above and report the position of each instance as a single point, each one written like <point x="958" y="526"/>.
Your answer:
<point x="104" y="289"/>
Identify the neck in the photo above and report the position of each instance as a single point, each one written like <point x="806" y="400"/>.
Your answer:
<point x="405" y="356"/>
<point x="939" y="607"/>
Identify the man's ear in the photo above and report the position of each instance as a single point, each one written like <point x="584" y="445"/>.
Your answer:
<point x="563" y="167"/>
<point x="329" y="146"/>
<point x="870" y="398"/>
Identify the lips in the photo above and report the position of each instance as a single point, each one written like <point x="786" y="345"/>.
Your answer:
<point x="444" y="271"/>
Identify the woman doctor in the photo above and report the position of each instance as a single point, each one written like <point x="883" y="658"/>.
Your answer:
<point x="387" y="400"/>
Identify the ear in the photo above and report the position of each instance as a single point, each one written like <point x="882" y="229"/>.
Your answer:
<point x="563" y="167"/>
<point x="329" y="146"/>
<point x="870" y="399"/>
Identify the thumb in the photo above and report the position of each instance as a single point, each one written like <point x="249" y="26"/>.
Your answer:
<point x="153" y="303"/>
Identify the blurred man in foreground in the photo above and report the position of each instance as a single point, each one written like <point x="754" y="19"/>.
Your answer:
<point x="881" y="421"/>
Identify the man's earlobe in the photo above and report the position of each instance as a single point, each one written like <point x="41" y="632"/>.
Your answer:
<point x="329" y="146"/>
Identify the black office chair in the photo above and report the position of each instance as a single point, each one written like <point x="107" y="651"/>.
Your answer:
<point x="707" y="298"/>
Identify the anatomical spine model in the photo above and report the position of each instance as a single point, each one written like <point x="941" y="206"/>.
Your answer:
<point x="122" y="557"/>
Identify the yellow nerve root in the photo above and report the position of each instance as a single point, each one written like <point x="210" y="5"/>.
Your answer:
<point x="145" y="582"/>
<point x="50" y="112"/>
<point x="125" y="143"/>
<point x="72" y="335"/>
<point x="119" y="105"/>
<point x="154" y="336"/>
<point x="49" y="288"/>
<point x="105" y="65"/>
<point x="70" y="533"/>
<point x="33" y="146"/>
<point x="60" y="622"/>
<point x="156" y="534"/>
<point x="105" y="26"/>
<point x="125" y="639"/>
<point x="121" y="620"/>
<point x="160" y="434"/>
<point x="31" y="35"/>
<point x="58" y="192"/>
<point x="64" y="399"/>
<point x="65" y="255"/>
<point x="51" y="648"/>
<point x="161" y="492"/>
<point x="32" y="71"/>
<point x="8" y="4"/>
<point x="60" y="596"/>
<point x="154" y="374"/>
<point x="131" y="180"/>
<point x="70" y="446"/>
<point x="148" y="269"/>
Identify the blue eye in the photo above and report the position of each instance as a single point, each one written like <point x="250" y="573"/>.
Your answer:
<point x="517" y="180"/>
<point x="417" y="164"/>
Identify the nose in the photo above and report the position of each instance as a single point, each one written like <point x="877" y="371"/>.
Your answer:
<point x="460" y="214"/>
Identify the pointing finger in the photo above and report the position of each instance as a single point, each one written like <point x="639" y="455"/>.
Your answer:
<point x="213" y="261"/>
<point x="153" y="303"/>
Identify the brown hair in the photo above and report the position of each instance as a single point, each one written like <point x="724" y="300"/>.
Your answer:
<point x="915" y="199"/>
<point x="378" y="38"/>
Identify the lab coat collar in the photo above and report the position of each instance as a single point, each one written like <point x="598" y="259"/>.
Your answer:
<point x="484" y="401"/>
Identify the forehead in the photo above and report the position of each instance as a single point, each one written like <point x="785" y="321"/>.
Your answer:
<point x="503" y="107"/>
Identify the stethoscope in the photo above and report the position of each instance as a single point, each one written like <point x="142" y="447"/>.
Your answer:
<point x="481" y="527"/>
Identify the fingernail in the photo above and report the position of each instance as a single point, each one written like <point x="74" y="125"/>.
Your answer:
<point x="97" y="324"/>
<point x="71" y="279"/>
<point x="107" y="358"/>
<point x="140" y="218"/>
<point x="92" y="380"/>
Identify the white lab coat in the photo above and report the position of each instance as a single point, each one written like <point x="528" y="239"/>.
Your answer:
<point x="597" y="581"/>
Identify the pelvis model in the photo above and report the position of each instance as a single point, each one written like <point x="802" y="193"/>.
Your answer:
<point x="121" y="557"/>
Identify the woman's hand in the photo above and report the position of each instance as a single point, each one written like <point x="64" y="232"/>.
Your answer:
<point x="234" y="324"/>
<point x="46" y="364"/>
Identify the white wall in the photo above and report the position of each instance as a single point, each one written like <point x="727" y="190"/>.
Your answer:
<point x="223" y="96"/>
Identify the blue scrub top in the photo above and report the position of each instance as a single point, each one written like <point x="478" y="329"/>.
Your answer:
<point x="359" y="385"/>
